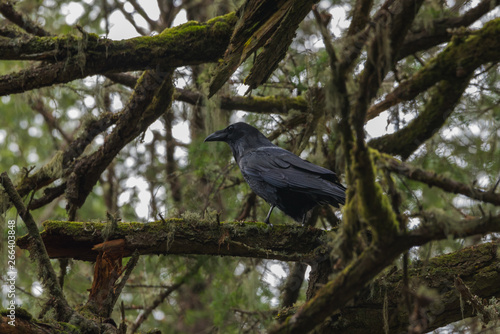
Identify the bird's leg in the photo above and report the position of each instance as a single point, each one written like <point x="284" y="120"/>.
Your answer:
<point x="304" y="219"/>
<point x="269" y="216"/>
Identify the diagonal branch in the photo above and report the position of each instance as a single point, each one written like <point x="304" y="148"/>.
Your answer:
<point x="163" y="295"/>
<point x="152" y="97"/>
<point x="440" y="31"/>
<point x="436" y="180"/>
<point x="9" y="12"/>
<point x="360" y="16"/>
<point x="436" y="111"/>
<point x="37" y="247"/>
<point x="39" y="254"/>
<point x="462" y="55"/>
<point x="62" y="161"/>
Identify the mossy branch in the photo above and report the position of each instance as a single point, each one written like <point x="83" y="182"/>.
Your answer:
<point x="276" y="104"/>
<point x="152" y="97"/>
<point x="436" y="111"/>
<point x="178" y="46"/>
<point x="425" y="38"/>
<point x="462" y="56"/>
<point x="39" y="254"/>
<point x="478" y="266"/>
<point x="433" y="179"/>
<point x="336" y="293"/>
<point x="78" y="240"/>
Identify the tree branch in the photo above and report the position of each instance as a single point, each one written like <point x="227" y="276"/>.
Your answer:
<point x="437" y="226"/>
<point x="48" y="275"/>
<point x="152" y="97"/>
<point x="436" y="111"/>
<point x="440" y="29"/>
<point x="473" y="264"/>
<point x="39" y="254"/>
<point x="80" y="240"/>
<point x="61" y="161"/>
<point x="461" y="56"/>
<point x="276" y="104"/>
<point x="8" y="11"/>
<point x="433" y="179"/>
<point x="79" y="57"/>
<point x="177" y="236"/>
<point x="162" y="296"/>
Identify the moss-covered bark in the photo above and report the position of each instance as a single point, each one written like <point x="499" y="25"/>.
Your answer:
<point x="179" y="236"/>
<point x="436" y="111"/>
<point x="478" y="266"/>
<point x="461" y="57"/>
<point x="292" y="243"/>
<point x="74" y="57"/>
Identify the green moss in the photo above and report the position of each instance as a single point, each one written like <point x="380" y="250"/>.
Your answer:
<point x="229" y="18"/>
<point x="67" y="328"/>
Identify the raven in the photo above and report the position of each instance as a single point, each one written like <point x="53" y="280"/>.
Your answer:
<point x="280" y="177"/>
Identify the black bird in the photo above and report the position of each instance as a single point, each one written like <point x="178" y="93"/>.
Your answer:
<point x="280" y="177"/>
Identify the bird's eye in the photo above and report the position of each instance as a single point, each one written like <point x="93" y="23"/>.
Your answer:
<point x="230" y="129"/>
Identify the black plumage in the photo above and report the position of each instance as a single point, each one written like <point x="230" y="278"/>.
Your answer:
<point x="280" y="177"/>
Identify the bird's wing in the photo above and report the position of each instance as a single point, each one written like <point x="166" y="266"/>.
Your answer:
<point x="283" y="169"/>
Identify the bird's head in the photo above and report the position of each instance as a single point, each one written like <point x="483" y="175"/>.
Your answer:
<point x="240" y="137"/>
<point x="236" y="132"/>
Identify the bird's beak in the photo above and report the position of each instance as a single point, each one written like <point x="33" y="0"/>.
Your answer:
<point x="220" y="135"/>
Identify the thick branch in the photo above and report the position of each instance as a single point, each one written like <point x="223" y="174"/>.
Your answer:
<point x="284" y="242"/>
<point x="440" y="29"/>
<point x="336" y="293"/>
<point x="436" y="111"/>
<point x="78" y="57"/>
<point x="176" y="236"/>
<point x="461" y="56"/>
<point x="478" y="266"/>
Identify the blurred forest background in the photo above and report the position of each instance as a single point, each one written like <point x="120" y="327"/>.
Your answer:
<point x="446" y="160"/>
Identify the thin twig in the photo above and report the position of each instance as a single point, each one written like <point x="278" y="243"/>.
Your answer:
<point x="48" y="275"/>
<point x="472" y="299"/>
<point x="128" y="271"/>
<point x="144" y="315"/>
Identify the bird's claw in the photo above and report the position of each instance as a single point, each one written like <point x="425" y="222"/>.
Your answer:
<point x="268" y="223"/>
